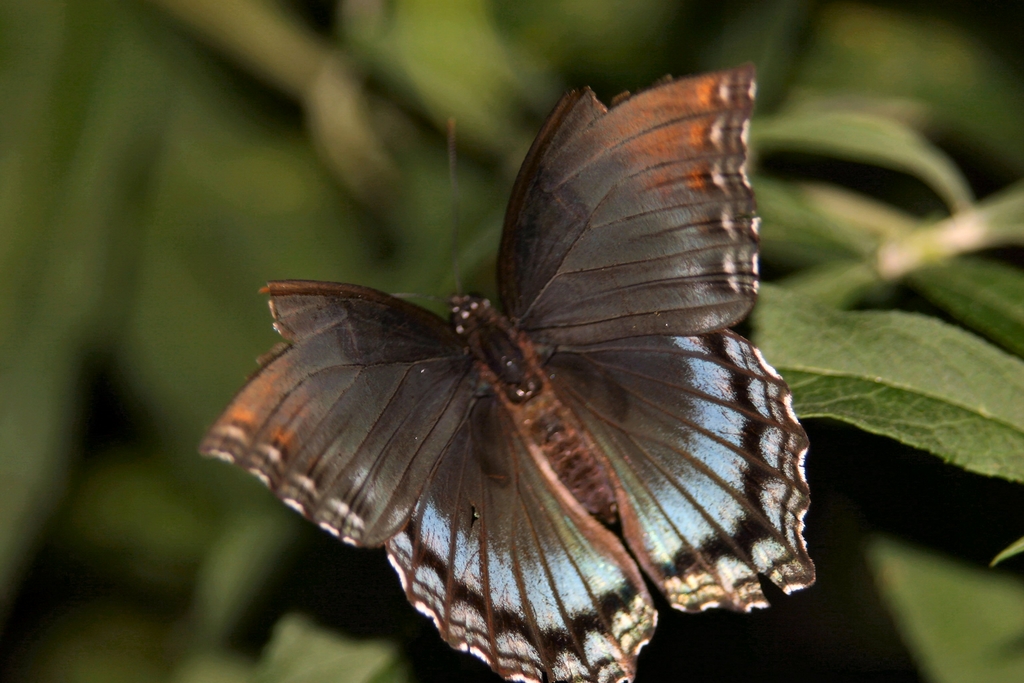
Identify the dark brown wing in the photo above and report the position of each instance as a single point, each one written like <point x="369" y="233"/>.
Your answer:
<point x="636" y="219"/>
<point x="346" y="424"/>
<point x="514" y="570"/>
<point x="701" y="436"/>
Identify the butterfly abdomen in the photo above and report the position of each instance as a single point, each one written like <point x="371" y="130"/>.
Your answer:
<point x="508" y="362"/>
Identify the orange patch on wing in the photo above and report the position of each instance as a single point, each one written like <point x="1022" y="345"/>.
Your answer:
<point x="699" y="131"/>
<point x="282" y="438"/>
<point x="697" y="179"/>
<point x="707" y="92"/>
<point x="241" y="416"/>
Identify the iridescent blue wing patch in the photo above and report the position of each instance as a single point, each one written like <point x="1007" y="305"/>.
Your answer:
<point x="512" y="569"/>
<point x="701" y="436"/>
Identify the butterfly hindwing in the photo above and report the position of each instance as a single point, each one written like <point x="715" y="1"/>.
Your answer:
<point x="345" y="424"/>
<point x="513" y="570"/>
<point x="636" y="219"/>
<point x="708" y="456"/>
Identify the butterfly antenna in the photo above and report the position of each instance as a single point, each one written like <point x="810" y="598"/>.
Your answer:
<point x="455" y="205"/>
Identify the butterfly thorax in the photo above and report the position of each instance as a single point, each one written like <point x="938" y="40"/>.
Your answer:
<point x="509" y="363"/>
<point x="493" y="341"/>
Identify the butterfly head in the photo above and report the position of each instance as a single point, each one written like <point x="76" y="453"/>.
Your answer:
<point x="469" y="312"/>
<point x="498" y="347"/>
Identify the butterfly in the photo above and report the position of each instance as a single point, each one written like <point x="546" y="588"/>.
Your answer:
<point x="508" y="460"/>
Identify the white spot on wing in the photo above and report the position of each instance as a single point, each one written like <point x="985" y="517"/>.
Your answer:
<point x="235" y="433"/>
<point x="717" y="178"/>
<point x="787" y="404"/>
<point x="767" y="368"/>
<point x="223" y="455"/>
<point x="716" y="132"/>
<point x="271" y="453"/>
<point x="305" y="483"/>
<point x="260" y="475"/>
<point x="330" y="529"/>
<point x="728" y="224"/>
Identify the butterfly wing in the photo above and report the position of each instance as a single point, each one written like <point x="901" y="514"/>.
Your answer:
<point x="636" y="219"/>
<point x="701" y="436"/>
<point x="346" y="423"/>
<point x="513" y="570"/>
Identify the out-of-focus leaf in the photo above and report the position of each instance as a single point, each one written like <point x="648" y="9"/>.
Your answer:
<point x="867" y="139"/>
<point x="82" y="110"/>
<point x="1003" y="215"/>
<point x="795" y="232"/>
<point x="839" y="284"/>
<point x="996" y="221"/>
<point x="214" y="666"/>
<point x="237" y="568"/>
<point x="985" y="295"/>
<point x="1015" y="548"/>
<point x="860" y="48"/>
<point x="448" y="55"/>
<point x="339" y="119"/>
<point x="910" y="377"/>
<point x="100" y="641"/>
<point x="262" y="36"/>
<point x="272" y="43"/>
<point x="962" y="624"/>
<point x="128" y="517"/>
<point x="302" y="652"/>
<point x="606" y="38"/>
<point x="859" y="212"/>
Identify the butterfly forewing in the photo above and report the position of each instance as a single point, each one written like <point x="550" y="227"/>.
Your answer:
<point x="513" y="570"/>
<point x="347" y="422"/>
<point x="701" y="437"/>
<point x="636" y="219"/>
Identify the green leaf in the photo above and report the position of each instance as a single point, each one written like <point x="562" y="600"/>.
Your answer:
<point x="83" y="106"/>
<point x="109" y="640"/>
<point x="796" y="232"/>
<point x="128" y="517"/>
<point x="237" y="568"/>
<point x="213" y="666"/>
<point x="450" y="58"/>
<point x="985" y="295"/>
<point x="1003" y="215"/>
<point x="996" y="221"/>
<point x="1015" y="548"/>
<point x="839" y="284"/>
<point x="302" y="652"/>
<point x="578" y="36"/>
<point x="962" y="624"/>
<point x="910" y="377"/>
<point x="867" y="139"/>
<point x="952" y="81"/>
<point x="957" y="435"/>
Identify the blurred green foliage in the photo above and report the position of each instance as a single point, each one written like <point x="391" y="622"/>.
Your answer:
<point x="161" y="160"/>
